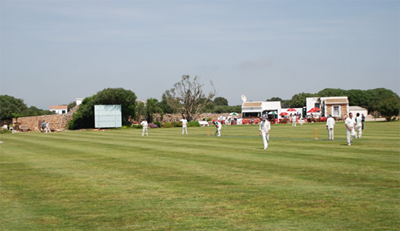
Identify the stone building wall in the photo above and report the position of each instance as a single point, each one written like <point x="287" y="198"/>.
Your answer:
<point x="57" y="122"/>
<point x="343" y="110"/>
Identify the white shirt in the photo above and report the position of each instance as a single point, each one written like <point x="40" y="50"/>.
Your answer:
<point x="330" y="122"/>
<point x="144" y="123"/>
<point x="358" y="121"/>
<point x="265" y="126"/>
<point x="349" y="122"/>
<point x="218" y="124"/>
<point x="184" y="122"/>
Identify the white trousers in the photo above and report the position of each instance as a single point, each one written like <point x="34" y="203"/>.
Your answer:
<point x="145" y="131"/>
<point x="184" y="130"/>
<point x="218" y="132"/>
<point x="330" y="134"/>
<point x="350" y="135"/>
<point x="359" y="131"/>
<point x="265" y="137"/>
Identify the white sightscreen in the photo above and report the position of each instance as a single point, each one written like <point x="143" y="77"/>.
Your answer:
<point x="107" y="116"/>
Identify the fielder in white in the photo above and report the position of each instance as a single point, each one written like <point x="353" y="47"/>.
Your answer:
<point x="330" y="125"/>
<point x="144" y="125"/>
<point x="350" y="124"/>
<point x="184" y="126"/>
<point x="263" y="131"/>
<point x="358" y="126"/>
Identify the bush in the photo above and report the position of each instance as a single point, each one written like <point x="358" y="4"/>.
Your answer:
<point x="84" y="117"/>
<point x="158" y="123"/>
<point x="167" y="125"/>
<point x="176" y="124"/>
<point x="3" y="131"/>
<point x="153" y="125"/>
<point x="194" y="124"/>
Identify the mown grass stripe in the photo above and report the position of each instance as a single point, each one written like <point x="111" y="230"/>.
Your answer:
<point x="118" y="179"/>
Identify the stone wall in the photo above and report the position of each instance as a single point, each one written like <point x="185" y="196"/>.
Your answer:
<point x="57" y="122"/>
<point x="34" y="122"/>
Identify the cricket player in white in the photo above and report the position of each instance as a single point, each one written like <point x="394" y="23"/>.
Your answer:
<point x="184" y="126"/>
<point x="358" y="126"/>
<point x="350" y="123"/>
<point x="330" y="125"/>
<point x="263" y="131"/>
<point x="144" y="125"/>
<point x="219" y="126"/>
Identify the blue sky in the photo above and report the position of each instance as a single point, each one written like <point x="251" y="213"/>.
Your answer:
<point x="53" y="51"/>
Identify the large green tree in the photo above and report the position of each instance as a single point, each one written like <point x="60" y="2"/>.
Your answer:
<point x="299" y="100"/>
<point x="11" y="106"/>
<point x="389" y="107"/>
<point x="84" y="117"/>
<point x="328" y="92"/>
<point x="140" y="111"/>
<point x="152" y="107"/>
<point x="165" y="107"/>
<point x="220" y="101"/>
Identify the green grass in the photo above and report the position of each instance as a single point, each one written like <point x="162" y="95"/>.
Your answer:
<point x="119" y="180"/>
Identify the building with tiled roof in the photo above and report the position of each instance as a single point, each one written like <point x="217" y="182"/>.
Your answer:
<point x="337" y="106"/>
<point x="62" y="109"/>
<point x="259" y="108"/>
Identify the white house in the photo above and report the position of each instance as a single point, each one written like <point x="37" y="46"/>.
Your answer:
<point x="63" y="109"/>
<point x="259" y="108"/>
<point x="357" y="109"/>
<point x="78" y="101"/>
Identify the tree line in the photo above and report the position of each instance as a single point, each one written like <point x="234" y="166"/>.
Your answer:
<point x="188" y="99"/>
<point x="381" y="100"/>
<point x="11" y="107"/>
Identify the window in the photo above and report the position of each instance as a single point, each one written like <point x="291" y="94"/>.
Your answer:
<point x="336" y="111"/>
